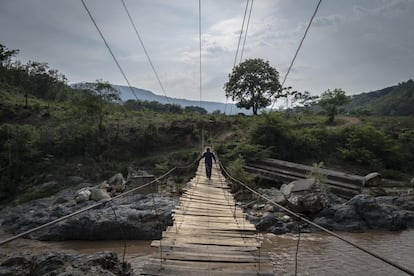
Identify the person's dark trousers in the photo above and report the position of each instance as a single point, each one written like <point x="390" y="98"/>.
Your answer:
<point x="208" y="170"/>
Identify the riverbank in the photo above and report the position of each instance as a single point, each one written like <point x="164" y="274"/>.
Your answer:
<point x="319" y="253"/>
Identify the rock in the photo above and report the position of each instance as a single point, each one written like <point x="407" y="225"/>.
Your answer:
<point x="285" y="218"/>
<point x="117" y="183"/>
<point x="134" y="214"/>
<point x="46" y="186"/>
<point x="377" y="191"/>
<point x="372" y="180"/>
<point x="266" y="222"/>
<point x="59" y="211"/>
<point x="242" y="195"/>
<point x="99" y="194"/>
<point x="253" y="219"/>
<point x="104" y="185"/>
<point x="286" y="189"/>
<point x="307" y="196"/>
<point x="303" y="185"/>
<point x="412" y="182"/>
<point x="278" y="230"/>
<point x="82" y="195"/>
<point x="258" y="206"/>
<point x="54" y="263"/>
<point x="274" y="195"/>
<point x="269" y="208"/>
<point x="364" y="212"/>
<point x="399" y="202"/>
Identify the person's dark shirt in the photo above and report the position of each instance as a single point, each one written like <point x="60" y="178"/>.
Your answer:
<point x="208" y="157"/>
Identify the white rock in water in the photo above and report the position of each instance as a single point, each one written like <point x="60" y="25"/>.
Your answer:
<point x="82" y="195"/>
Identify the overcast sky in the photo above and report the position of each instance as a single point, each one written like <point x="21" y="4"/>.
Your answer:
<point x="356" y="45"/>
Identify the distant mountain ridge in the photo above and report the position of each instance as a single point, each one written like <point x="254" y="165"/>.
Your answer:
<point x="145" y="95"/>
<point x="397" y="100"/>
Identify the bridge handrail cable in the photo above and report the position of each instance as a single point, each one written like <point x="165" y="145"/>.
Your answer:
<point x="398" y="266"/>
<point x="102" y="202"/>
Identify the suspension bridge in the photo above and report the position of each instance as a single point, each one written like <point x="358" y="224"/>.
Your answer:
<point x="210" y="235"/>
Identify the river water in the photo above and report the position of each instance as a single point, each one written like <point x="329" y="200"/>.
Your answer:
<point x="318" y="254"/>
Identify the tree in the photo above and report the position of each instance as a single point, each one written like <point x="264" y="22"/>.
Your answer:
<point x="95" y="96"/>
<point x="195" y="109"/>
<point x="6" y="54"/>
<point x="253" y="84"/>
<point x="105" y="93"/>
<point x="330" y="101"/>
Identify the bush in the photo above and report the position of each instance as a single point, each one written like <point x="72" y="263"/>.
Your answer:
<point x="406" y="144"/>
<point x="236" y="170"/>
<point x="365" y="145"/>
<point x="275" y="133"/>
<point x="244" y="150"/>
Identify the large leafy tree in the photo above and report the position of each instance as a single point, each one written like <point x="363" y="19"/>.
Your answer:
<point x="96" y="96"/>
<point x="253" y="84"/>
<point x="330" y="101"/>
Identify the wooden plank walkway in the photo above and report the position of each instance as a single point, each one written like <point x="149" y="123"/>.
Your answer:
<point x="210" y="236"/>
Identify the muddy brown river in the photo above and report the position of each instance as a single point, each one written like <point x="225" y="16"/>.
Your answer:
<point x="319" y="254"/>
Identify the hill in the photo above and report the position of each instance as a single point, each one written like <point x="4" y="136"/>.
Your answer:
<point x="395" y="100"/>
<point x="145" y="95"/>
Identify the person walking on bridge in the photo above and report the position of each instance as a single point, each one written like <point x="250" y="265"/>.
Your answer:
<point x="208" y="158"/>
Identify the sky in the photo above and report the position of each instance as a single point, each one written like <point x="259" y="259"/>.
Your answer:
<point x="356" y="45"/>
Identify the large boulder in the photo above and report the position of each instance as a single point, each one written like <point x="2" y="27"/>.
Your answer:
<point x="54" y="263"/>
<point x="117" y="183"/>
<point x="306" y="196"/>
<point x="364" y="212"/>
<point x="274" y="195"/>
<point x="136" y="217"/>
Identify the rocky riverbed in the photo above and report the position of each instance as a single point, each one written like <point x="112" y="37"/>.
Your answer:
<point x="144" y="217"/>
<point x="134" y="216"/>
<point x="57" y="263"/>
<point x="310" y="199"/>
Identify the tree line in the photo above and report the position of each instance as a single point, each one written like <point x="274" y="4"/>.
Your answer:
<point x="254" y="84"/>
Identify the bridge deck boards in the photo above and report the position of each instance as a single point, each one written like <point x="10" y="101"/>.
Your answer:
<point x="210" y="236"/>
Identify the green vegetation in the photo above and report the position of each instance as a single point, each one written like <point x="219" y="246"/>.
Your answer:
<point x="396" y="100"/>
<point x="253" y="84"/>
<point x="49" y="127"/>
<point x="330" y="101"/>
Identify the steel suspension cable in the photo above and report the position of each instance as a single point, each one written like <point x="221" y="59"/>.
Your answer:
<point x="247" y="29"/>
<point x="145" y="51"/>
<point x="398" y="266"/>
<point x="199" y="39"/>
<point x="237" y="50"/>
<point x="241" y="33"/>
<point x="109" y="49"/>
<point x="298" y="49"/>
<point x="103" y="202"/>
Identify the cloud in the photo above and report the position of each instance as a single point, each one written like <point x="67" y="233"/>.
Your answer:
<point x="329" y="20"/>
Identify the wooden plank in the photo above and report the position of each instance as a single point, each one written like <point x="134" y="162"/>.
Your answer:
<point x="168" y="245"/>
<point x="185" y="267"/>
<point x="209" y="236"/>
<point x="352" y="177"/>
<point x="223" y="233"/>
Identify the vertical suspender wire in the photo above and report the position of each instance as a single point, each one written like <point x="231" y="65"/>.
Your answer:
<point x="109" y="48"/>
<point x="238" y="44"/>
<point x="298" y="49"/>
<point x="145" y="51"/>
<point x="201" y="73"/>
<point x="241" y="33"/>
<point x="247" y="29"/>
<point x="199" y="38"/>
